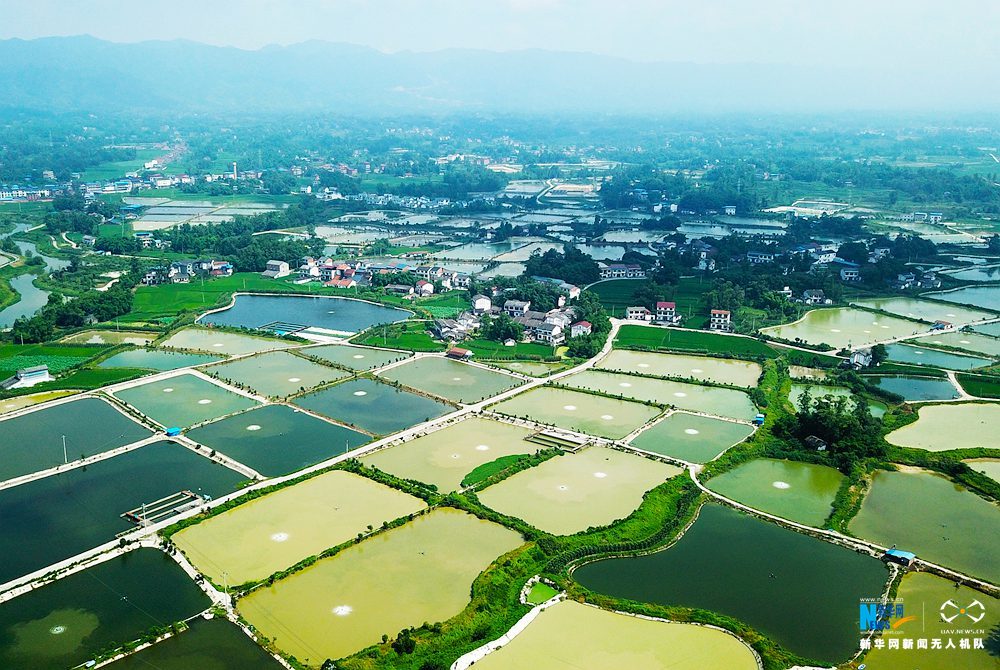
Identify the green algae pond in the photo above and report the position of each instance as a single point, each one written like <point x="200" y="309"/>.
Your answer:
<point x="951" y="426"/>
<point x="842" y="327"/>
<point x="276" y="374"/>
<point x="801" y="492"/>
<point x="926" y="310"/>
<point x="939" y="520"/>
<point x="156" y="359"/>
<point x="691" y="438"/>
<point x="582" y="412"/>
<point x="573" y="635"/>
<point x="213" y="644"/>
<point x="444" y="457"/>
<point x="914" y="355"/>
<point x="452" y="380"/>
<point x="275" y="440"/>
<point x="917" y="388"/>
<point x="573" y="492"/>
<point x="221" y="342"/>
<point x="272" y="533"/>
<point x="82" y="507"/>
<point x="184" y="400"/>
<point x="373" y="406"/>
<point x="875" y="408"/>
<point x="34" y="441"/>
<point x="693" y="397"/>
<point x="424" y="570"/>
<point x="69" y="621"/>
<point x="700" y="368"/>
<point x="355" y="358"/>
<point x="800" y="591"/>
<point x="924" y="595"/>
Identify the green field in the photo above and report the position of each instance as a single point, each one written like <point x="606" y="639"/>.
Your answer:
<point x="58" y="357"/>
<point x="117" y="169"/>
<point x="487" y="349"/>
<point x="617" y="294"/>
<point x="409" y="336"/>
<point x="980" y="386"/>
<point x="651" y="337"/>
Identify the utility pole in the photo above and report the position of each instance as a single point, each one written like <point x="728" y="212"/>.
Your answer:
<point x="65" y="457"/>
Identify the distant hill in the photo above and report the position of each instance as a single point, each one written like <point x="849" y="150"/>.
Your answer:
<point x="85" y="73"/>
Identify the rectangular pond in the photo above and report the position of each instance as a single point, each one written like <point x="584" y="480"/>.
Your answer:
<point x="69" y="621"/>
<point x="818" y="391"/>
<point x="445" y="457"/>
<point x="757" y="572"/>
<point x="276" y="373"/>
<point x="973" y="342"/>
<point x="272" y="533"/>
<point x="355" y="358"/>
<point x="184" y="400"/>
<point x="697" y="368"/>
<point x="917" y="388"/>
<point x="925" y="513"/>
<point x="425" y="570"/>
<point x="450" y="379"/>
<point x="221" y="342"/>
<point x="842" y="327"/>
<point x="987" y="297"/>
<point x="926" y="310"/>
<point x="907" y="353"/>
<point x="693" y="397"/>
<point x="951" y="426"/>
<point x="275" y="440"/>
<point x="691" y="438"/>
<point x="286" y="313"/>
<point x="571" y="493"/>
<point x="34" y="441"/>
<point x="373" y="406"/>
<point x="581" y="412"/>
<point x="83" y="506"/>
<point x="155" y="359"/>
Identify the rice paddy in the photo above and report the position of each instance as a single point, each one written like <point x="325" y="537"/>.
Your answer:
<point x="450" y="379"/>
<point x="582" y="412"/>
<point x="699" y="368"/>
<point x="272" y="533"/>
<point x="444" y="457"/>
<point x="276" y="374"/>
<point x="691" y="438"/>
<point x="334" y="608"/>
<point x="951" y="426"/>
<point x="373" y="406"/>
<point x="183" y="401"/>
<point x="570" y="493"/>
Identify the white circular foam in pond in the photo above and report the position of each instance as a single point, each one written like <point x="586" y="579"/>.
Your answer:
<point x="360" y="393"/>
<point x="625" y="385"/>
<point x="455" y="456"/>
<point x="781" y="485"/>
<point x="643" y="365"/>
<point x="697" y="371"/>
<point x="918" y="353"/>
<point x="835" y="330"/>
<point x="600" y="475"/>
<point x="253" y="426"/>
<point x="563" y="487"/>
<point x="456" y="379"/>
<point x="294" y="379"/>
<point x="963" y="342"/>
<point x="204" y="401"/>
<point x="279" y="537"/>
<point x="168" y="390"/>
<point x="342" y="610"/>
<point x="57" y="630"/>
<point x="217" y="344"/>
<point x="607" y="417"/>
<point x="482" y="447"/>
<point x="690" y="431"/>
<point x="680" y="394"/>
<point x="569" y="408"/>
<point x="358" y="356"/>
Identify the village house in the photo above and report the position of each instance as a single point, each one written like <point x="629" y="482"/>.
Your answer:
<point x="516" y="308"/>
<point x="621" y="271"/>
<point x="815" y="296"/>
<point x="275" y="269"/>
<point x="580" y="328"/>
<point x="481" y="303"/>
<point x="666" y="312"/>
<point x="720" y="319"/>
<point x="638" y="313"/>
<point x="424" y="287"/>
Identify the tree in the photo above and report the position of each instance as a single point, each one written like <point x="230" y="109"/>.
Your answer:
<point x="855" y="252"/>
<point x="879" y="354"/>
<point x="500" y="329"/>
<point x="572" y="266"/>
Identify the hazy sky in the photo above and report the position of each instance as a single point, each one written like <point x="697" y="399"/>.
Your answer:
<point x="941" y="33"/>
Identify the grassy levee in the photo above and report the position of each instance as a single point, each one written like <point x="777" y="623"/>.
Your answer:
<point x="408" y="336"/>
<point x="981" y="386"/>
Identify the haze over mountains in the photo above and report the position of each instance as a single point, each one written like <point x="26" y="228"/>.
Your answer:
<point x="85" y="73"/>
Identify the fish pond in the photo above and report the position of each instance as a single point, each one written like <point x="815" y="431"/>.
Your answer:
<point x="926" y="310"/>
<point x="373" y="406"/>
<point x="155" y="359"/>
<point x="570" y="493"/>
<point x="875" y="408"/>
<point x="589" y="637"/>
<point x="988" y="466"/>
<point x="987" y="297"/>
<point x="983" y="345"/>
<point x="277" y="439"/>
<point x="694" y="397"/>
<point x="285" y="313"/>
<point x="951" y="426"/>
<point x="83" y="506"/>
<point x="937" y="519"/>
<point x="69" y="621"/>
<point x="425" y="570"/>
<point x="844" y="327"/>
<point x="582" y="412"/>
<point x="530" y="368"/>
<point x="34" y="441"/>
<point x="272" y="533"/>
<point x="757" y="572"/>
<point x="445" y="457"/>
<point x="184" y="400"/>
<point x="452" y="380"/>
<point x="276" y="373"/>
<point x="691" y="438"/>
<point x="355" y="358"/>
<point x="922" y="593"/>
<point x="214" y="644"/>
<point x="916" y="389"/>
<point x="907" y="353"/>
<point x="989" y="329"/>
<point x="222" y="342"/>
<point x="793" y="490"/>
<point x="699" y="368"/>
